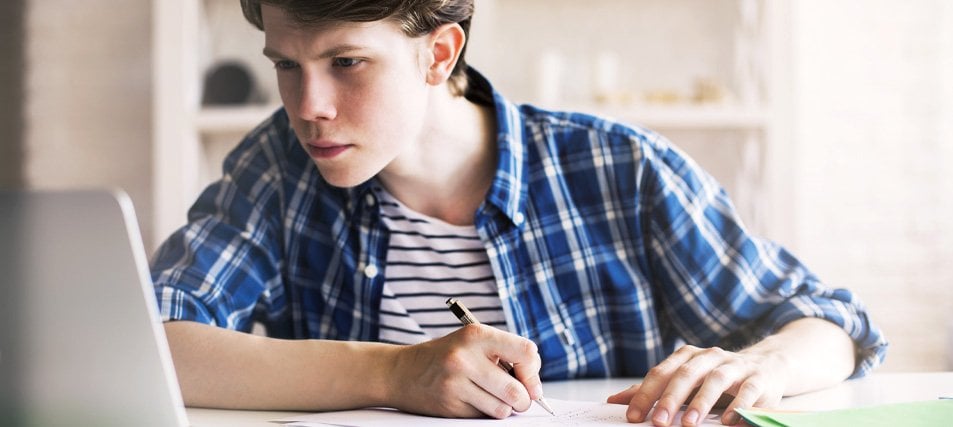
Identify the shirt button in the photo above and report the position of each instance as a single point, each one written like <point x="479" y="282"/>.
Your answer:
<point x="370" y="199"/>
<point x="518" y="218"/>
<point x="370" y="271"/>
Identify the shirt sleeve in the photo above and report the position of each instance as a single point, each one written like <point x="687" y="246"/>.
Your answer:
<point x="217" y="268"/>
<point x="719" y="285"/>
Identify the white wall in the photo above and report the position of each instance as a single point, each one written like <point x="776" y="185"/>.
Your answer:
<point x="874" y="180"/>
<point x="88" y="97"/>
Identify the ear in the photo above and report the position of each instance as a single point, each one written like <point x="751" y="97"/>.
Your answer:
<point x="445" y="44"/>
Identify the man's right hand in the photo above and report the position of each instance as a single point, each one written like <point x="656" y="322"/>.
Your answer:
<point x="457" y="376"/>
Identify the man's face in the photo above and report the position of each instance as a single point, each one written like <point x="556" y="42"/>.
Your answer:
<point x="355" y="93"/>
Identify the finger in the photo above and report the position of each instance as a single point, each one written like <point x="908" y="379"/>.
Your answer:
<point x="528" y="372"/>
<point x="503" y="388"/>
<point x="686" y="379"/>
<point x="655" y="383"/>
<point x="467" y="410"/>
<point x="485" y="404"/>
<point x="623" y="397"/>
<point x="715" y="384"/>
<point x="456" y="398"/>
<point x="750" y="393"/>
<point x="534" y="386"/>
<point x="521" y="353"/>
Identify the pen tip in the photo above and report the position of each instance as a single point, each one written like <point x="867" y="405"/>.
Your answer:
<point x="545" y="406"/>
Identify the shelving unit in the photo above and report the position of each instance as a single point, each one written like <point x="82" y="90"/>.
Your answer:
<point x="188" y="138"/>
<point x="214" y="120"/>
<point x="730" y="41"/>
<point x="684" y="117"/>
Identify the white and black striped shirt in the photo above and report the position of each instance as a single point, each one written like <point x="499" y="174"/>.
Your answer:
<point x="429" y="261"/>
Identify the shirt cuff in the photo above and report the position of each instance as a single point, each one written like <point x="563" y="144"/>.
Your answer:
<point x="869" y="342"/>
<point x="176" y="304"/>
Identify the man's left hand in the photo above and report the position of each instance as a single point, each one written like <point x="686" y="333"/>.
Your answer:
<point x="699" y="377"/>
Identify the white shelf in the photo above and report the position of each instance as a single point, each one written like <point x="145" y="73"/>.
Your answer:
<point x="687" y="117"/>
<point x="212" y="120"/>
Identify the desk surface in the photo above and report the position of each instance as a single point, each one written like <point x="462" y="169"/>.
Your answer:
<point x="872" y="390"/>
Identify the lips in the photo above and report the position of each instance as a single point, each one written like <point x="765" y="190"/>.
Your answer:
<point x="325" y="150"/>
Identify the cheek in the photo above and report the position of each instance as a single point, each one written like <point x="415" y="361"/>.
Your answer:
<point x="288" y="89"/>
<point x="410" y="93"/>
<point x="393" y="106"/>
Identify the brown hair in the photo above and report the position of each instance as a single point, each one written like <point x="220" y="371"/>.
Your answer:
<point x="416" y="18"/>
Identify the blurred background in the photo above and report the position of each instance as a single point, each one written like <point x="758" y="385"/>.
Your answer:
<point x="830" y="123"/>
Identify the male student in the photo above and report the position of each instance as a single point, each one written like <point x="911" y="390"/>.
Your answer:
<point x="395" y="177"/>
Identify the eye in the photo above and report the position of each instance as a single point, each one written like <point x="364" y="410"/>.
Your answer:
<point x="285" y="64"/>
<point x="346" y="62"/>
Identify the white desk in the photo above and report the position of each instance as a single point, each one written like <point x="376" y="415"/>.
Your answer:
<point x="872" y="390"/>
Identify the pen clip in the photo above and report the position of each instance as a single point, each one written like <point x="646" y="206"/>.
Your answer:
<point x="462" y="312"/>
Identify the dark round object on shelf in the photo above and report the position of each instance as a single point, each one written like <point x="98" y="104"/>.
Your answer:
<point x="228" y="83"/>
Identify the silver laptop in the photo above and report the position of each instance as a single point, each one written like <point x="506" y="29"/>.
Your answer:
<point x="81" y="342"/>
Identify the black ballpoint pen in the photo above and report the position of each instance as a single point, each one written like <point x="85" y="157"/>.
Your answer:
<point x="468" y="318"/>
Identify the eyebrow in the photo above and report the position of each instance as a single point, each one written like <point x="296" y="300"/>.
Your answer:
<point x="330" y="53"/>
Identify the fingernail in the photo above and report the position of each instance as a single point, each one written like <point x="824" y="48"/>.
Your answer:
<point x="636" y="416"/>
<point x="537" y="391"/>
<point x="691" y="417"/>
<point x="660" y="417"/>
<point x="732" y="419"/>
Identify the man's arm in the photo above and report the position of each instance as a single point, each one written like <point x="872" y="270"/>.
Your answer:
<point x="717" y="284"/>
<point x="455" y="376"/>
<point x="804" y="355"/>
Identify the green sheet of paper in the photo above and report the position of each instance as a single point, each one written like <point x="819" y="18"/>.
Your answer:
<point x="914" y="414"/>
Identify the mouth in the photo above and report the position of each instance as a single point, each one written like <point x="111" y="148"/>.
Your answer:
<point x="325" y="150"/>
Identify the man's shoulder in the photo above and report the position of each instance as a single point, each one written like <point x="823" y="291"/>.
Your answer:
<point x="269" y="160"/>
<point x="272" y="142"/>
<point x="582" y="129"/>
<point x="272" y="133"/>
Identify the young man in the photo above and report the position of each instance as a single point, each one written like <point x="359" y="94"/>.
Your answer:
<point x="396" y="177"/>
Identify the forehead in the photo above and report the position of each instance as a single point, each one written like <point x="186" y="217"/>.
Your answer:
<point x="282" y="27"/>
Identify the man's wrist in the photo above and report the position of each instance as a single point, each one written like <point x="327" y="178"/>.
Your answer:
<point x="364" y="373"/>
<point x="377" y="378"/>
<point x="770" y="353"/>
<point x="794" y="354"/>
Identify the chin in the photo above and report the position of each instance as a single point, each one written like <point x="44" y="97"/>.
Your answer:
<point x="344" y="179"/>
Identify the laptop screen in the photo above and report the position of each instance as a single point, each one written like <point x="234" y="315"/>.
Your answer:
<point x="81" y="342"/>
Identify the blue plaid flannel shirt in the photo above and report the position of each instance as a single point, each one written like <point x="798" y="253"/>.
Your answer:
<point x="610" y="248"/>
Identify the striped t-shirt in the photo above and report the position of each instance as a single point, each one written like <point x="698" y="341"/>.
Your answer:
<point x="429" y="261"/>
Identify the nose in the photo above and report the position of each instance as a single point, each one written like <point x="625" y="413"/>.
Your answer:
<point x="316" y="98"/>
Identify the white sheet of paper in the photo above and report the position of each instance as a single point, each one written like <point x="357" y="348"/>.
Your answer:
<point x="568" y="413"/>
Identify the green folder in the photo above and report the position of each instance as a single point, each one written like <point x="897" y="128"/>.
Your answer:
<point x="913" y="414"/>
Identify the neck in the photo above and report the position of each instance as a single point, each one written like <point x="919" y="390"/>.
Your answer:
<point x="448" y="173"/>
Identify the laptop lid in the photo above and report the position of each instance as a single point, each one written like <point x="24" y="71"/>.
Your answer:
<point x="81" y="342"/>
